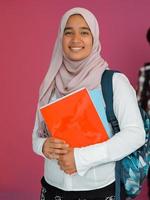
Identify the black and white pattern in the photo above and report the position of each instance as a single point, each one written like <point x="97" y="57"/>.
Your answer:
<point x="58" y="197"/>
<point x="43" y="191"/>
<point x="143" y="91"/>
<point x="110" y="198"/>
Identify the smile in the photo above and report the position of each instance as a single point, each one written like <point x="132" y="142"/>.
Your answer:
<point x="76" y="49"/>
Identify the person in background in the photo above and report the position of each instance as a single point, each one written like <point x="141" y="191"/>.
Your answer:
<point x="86" y="173"/>
<point x="143" y="90"/>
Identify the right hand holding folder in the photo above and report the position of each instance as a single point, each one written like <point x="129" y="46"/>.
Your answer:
<point x="54" y="147"/>
<point x="67" y="162"/>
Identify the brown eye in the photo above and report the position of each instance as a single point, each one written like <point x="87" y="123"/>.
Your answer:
<point x="68" y="33"/>
<point x="85" y="33"/>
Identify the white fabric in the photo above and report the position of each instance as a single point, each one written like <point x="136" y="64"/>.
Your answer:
<point x="96" y="163"/>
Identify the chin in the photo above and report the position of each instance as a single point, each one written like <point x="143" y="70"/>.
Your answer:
<point x="75" y="58"/>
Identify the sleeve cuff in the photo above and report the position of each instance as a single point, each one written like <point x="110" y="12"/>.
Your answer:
<point x="38" y="146"/>
<point x="90" y="156"/>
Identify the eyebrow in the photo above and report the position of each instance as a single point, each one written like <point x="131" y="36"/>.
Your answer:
<point x="70" y="28"/>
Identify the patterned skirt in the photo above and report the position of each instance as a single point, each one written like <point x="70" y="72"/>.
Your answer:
<point x="49" y="192"/>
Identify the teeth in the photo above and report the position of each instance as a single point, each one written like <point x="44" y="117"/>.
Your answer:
<point x="75" y="48"/>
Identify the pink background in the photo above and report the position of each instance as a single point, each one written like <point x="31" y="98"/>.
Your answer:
<point x="27" y="33"/>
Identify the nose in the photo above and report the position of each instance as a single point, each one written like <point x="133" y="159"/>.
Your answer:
<point x="76" y="38"/>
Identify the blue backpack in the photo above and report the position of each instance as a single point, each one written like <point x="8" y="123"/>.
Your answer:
<point x="131" y="170"/>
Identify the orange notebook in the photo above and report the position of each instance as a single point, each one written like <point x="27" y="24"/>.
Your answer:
<point x="74" y="119"/>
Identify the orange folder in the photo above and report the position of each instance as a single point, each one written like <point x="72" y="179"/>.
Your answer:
<point x="74" y="119"/>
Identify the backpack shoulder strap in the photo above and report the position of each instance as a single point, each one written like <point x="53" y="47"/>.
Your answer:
<point x="107" y="90"/>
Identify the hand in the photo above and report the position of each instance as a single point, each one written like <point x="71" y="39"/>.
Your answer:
<point x="53" y="148"/>
<point x="67" y="162"/>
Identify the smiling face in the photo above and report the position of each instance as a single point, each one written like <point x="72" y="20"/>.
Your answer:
<point x="77" y="38"/>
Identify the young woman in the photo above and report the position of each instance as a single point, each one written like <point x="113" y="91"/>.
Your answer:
<point x="87" y="172"/>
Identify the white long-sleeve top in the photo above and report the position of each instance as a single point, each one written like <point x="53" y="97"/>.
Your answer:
<point x="96" y="163"/>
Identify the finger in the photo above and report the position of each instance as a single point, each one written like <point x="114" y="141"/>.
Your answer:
<point x="50" y="154"/>
<point x="65" y="165"/>
<point x="71" y="171"/>
<point x="61" y="165"/>
<point x="60" y="151"/>
<point x="53" y="156"/>
<point x="58" y="146"/>
<point x="46" y="155"/>
<point x="56" y="151"/>
<point x="57" y="140"/>
<point x="61" y="158"/>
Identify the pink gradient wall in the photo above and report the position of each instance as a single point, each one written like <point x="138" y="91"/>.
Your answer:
<point x="27" y="33"/>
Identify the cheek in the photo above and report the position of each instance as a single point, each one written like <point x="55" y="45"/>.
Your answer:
<point x="89" y="41"/>
<point x="64" y="44"/>
<point x="90" y="45"/>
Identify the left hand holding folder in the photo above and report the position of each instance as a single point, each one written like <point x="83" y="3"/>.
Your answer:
<point x="67" y="162"/>
<point x="54" y="147"/>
